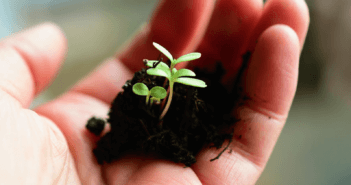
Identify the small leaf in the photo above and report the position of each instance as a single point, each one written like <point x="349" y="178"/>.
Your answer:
<point x="191" y="82"/>
<point x="163" y="50"/>
<point x="183" y="72"/>
<point x="140" y="89"/>
<point x="164" y="67"/>
<point x="150" y="63"/>
<point x="174" y="70"/>
<point x="187" y="57"/>
<point x="157" y="72"/>
<point x="158" y="92"/>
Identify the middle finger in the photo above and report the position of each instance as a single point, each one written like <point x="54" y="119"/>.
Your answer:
<point x="226" y="37"/>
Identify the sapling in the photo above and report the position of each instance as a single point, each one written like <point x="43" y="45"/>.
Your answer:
<point x="156" y="92"/>
<point x="140" y="130"/>
<point x="172" y="74"/>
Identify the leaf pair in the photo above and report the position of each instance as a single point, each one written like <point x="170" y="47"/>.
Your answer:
<point x="162" y="69"/>
<point x="156" y="92"/>
<point x="166" y="70"/>
<point x="184" y="58"/>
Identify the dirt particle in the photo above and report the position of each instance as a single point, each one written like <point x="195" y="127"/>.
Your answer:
<point x="95" y="125"/>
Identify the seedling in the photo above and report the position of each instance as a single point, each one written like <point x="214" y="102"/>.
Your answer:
<point x="172" y="74"/>
<point x="133" y="125"/>
<point x="156" y="92"/>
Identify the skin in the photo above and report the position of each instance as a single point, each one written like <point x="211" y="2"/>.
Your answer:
<point x="49" y="145"/>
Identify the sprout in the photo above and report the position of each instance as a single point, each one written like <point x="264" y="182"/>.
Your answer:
<point x="172" y="74"/>
<point x="156" y="92"/>
<point x="184" y="58"/>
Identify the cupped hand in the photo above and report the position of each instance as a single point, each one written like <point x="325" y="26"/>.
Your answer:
<point x="50" y="145"/>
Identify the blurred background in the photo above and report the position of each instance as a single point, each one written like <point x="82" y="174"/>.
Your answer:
<point x="315" y="145"/>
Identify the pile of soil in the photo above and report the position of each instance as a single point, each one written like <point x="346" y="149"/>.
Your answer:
<point x="196" y="118"/>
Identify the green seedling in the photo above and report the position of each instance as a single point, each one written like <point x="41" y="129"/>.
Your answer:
<point x="172" y="74"/>
<point x="156" y="92"/>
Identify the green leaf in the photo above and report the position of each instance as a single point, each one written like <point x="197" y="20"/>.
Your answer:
<point x="191" y="82"/>
<point x="158" y="92"/>
<point x="187" y="57"/>
<point x="140" y="89"/>
<point x="183" y="72"/>
<point x="164" y="67"/>
<point x="174" y="70"/>
<point x="163" y="50"/>
<point x="150" y="63"/>
<point x="157" y="72"/>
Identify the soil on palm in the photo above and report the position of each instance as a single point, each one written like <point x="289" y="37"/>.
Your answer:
<point x="195" y="119"/>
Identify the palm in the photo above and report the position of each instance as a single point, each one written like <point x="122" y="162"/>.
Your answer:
<point x="227" y="33"/>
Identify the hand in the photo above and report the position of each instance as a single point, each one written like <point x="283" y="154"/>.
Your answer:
<point x="50" y="145"/>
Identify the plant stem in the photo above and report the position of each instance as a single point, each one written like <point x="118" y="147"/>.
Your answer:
<point x="147" y="98"/>
<point x="168" y="101"/>
<point x="164" y="100"/>
<point x="164" y="83"/>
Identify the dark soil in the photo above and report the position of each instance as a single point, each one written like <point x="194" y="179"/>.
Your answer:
<point x="95" y="125"/>
<point x="197" y="118"/>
